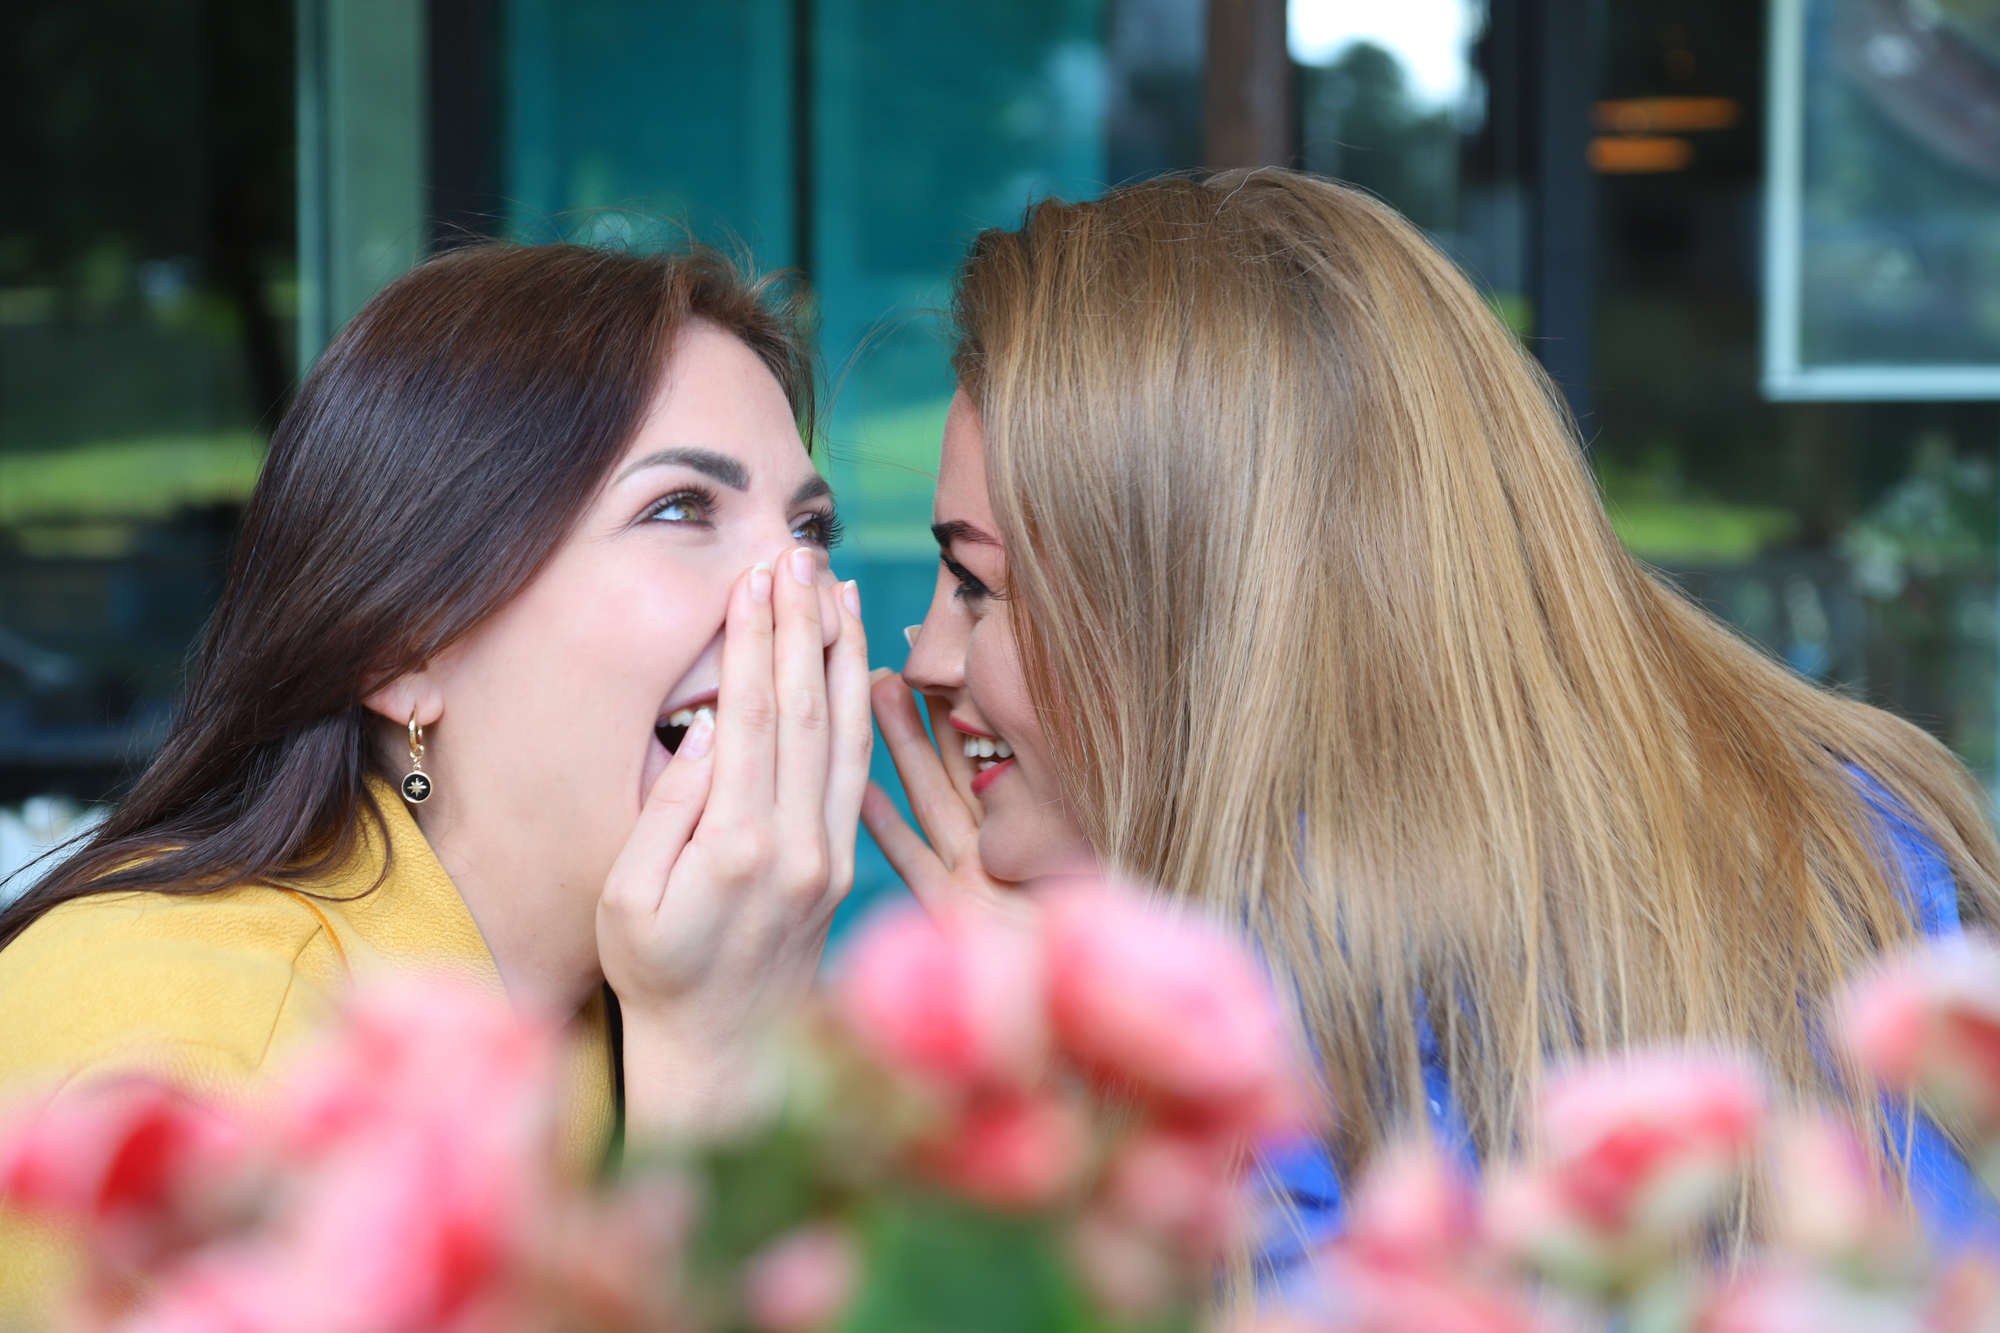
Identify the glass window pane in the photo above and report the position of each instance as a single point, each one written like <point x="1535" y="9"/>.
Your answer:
<point x="1854" y="541"/>
<point x="147" y="297"/>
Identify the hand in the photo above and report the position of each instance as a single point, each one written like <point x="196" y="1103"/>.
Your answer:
<point x="713" y="919"/>
<point x="945" y="873"/>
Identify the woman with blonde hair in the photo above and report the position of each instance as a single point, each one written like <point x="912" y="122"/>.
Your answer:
<point x="1273" y="575"/>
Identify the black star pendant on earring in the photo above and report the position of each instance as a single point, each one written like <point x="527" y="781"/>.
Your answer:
<point x="416" y="783"/>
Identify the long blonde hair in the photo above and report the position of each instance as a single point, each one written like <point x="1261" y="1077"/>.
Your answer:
<point x="1327" y="625"/>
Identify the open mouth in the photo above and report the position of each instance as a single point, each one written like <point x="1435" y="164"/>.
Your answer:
<point x="674" y="728"/>
<point x="986" y="752"/>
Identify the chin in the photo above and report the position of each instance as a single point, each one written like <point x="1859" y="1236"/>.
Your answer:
<point x="1014" y="855"/>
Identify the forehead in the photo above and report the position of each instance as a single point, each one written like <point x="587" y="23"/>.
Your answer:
<point x="961" y="491"/>
<point x="719" y="395"/>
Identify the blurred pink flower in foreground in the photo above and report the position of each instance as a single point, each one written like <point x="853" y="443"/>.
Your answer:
<point x="803" y="1281"/>
<point x="1170" y="1004"/>
<point x="405" y="1165"/>
<point x="1414" y="1259"/>
<point x="1832" y="1206"/>
<point x="1801" y="1299"/>
<point x="1014" y="1152"/>
<point x="137" y="1161"/>
<point x="1928" y="1023"/>
<point x="958" y="999"/>
<point x="1634" y="1155"/>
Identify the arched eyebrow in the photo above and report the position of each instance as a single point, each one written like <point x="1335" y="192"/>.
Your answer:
<point x="720" y="467"/>
<point x="958" y="530"/>
<point x="811" y="489"/>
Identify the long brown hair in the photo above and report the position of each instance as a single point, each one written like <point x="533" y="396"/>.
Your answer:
<point x="435" y="458"/>
<point x="1327" y="625"/>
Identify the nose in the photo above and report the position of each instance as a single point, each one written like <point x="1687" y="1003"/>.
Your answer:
<point x="937" y="659"/>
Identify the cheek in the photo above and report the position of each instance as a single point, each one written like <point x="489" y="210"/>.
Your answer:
<point x="576" y="669"/>
<point x="999" y="688"/>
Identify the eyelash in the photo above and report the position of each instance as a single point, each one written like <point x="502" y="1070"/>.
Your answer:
<point x="969" y="586"/>
<point x="703" y="501"/>
<point x="830" y="528"/>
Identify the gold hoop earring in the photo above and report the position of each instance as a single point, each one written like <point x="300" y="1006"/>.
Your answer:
<point x="416" y="784"/>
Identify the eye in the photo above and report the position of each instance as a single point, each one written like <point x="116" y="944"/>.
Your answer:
<point x="969" y="586"/>
<point x="682" y="507"/>
<point x="821" y="528"/>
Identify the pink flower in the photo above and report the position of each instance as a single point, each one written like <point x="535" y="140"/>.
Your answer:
<point x="1637" y="1152"/>
<point x="803" y="1281"/>
<point x="128" y="1147"/>
<point x="1965" y="1298"/>
<point x="145" y="1168"/>
<point x="1413" y="1258"/>
<point x="1012" y="1152"/>
<point x="959" y="1000"/>
<point x="1127" y="1272"/>
<point x="1414" y="1210"/>
<point x="418" y="1143"/>
<point x="431" y="1055"/>
<point x="1185" y="1189"/>
<point x="1357" y="1296"/>
<point x="1831" y="1205"/>
<point x="1929" y="1022"/>
<point x="1808" y="1300"/>
<point x="1169" y="1005"/>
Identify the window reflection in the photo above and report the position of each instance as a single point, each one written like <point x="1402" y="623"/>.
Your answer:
<point x="147" y="293"/>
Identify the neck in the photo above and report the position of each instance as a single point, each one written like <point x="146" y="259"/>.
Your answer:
<point x="541" y="932"/>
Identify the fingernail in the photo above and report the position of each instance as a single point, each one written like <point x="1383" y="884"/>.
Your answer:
<point x="760" y="581"/>
<point x="910" y="633"/>
<point x="850" y="596"/>
<point x="803" y="566"/>
<point x="700" y="735"/>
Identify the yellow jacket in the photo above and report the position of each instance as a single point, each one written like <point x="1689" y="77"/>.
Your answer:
<point x="215" y="991"/>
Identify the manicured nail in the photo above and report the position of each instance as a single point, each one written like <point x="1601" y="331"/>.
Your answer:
<point x="803" y="566"/>
<point x="850" y="595"/>
<point x="760" y="581"/>
<point x="700" y="735"/>
<point x="910" y="633"/>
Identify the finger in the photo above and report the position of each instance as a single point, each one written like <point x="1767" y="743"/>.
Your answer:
<point x="638" y="881"/>
<point x="799" y="661"/>
<point x="853" y="738"/>
<point x="746" y="712"/>
<point x="945" y="817"/>
<point x="830" y="620"/>
<point x="909" y="855"/>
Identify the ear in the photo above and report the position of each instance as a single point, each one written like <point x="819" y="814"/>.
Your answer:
<point x="415" y="693"/>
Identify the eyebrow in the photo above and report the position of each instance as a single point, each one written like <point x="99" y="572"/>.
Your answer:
<point x="811" y="489"/>
<point x="960" y="531"/>
<point x="720" y="467"/>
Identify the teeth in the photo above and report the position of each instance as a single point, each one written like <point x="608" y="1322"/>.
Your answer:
<point x="987" y="750"/>
<point x="681" y="718"/>
<point x="708" y="713"/>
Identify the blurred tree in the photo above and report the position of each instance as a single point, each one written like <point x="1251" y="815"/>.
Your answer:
<point x="153" y="132"/>
<point x="1363" y="126"/>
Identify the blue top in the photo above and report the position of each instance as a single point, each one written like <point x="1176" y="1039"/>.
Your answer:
<point x="1306" y="1209"/>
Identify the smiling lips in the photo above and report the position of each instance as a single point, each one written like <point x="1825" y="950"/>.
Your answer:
<point x="989" y="754"/>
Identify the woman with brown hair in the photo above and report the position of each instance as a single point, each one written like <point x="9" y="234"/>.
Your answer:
<point x="528" y="665"/>
<point x="1273" y="575"/>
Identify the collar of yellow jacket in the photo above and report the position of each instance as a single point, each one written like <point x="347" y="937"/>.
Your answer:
<point x="395" y="905"/>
